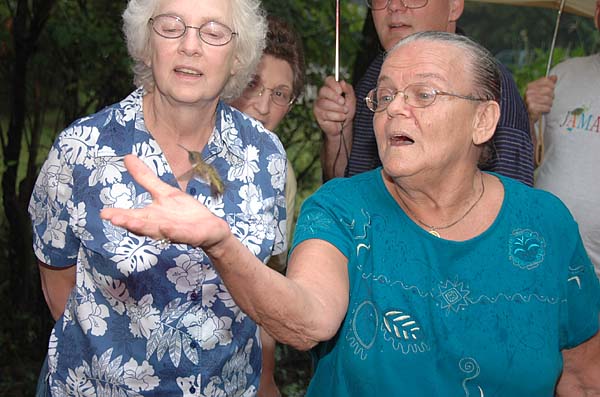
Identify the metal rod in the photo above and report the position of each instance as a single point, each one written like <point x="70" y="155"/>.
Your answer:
<point x="560" y="10"/>
<point x="337" y="40"/>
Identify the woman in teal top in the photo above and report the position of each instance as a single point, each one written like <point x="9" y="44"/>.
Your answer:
<point x="426" y="277"/>
<point x="434" y="317"/>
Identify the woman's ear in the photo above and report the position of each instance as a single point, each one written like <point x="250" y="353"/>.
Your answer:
<point x="456" y="9"/>
<point x="235" y="67"/>
<point x="485" y="121"/>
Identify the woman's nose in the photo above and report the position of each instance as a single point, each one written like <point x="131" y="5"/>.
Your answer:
<point x="263" y="102"/>
<point x="396" y="5"/>
<point x="398" y="106"/>
<point x="191" y="43"/>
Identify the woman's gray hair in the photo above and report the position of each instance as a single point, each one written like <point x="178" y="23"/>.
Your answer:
<point x="249" y="22"/>
<point x="484" y="67"/>
<point x="484" y="70"/>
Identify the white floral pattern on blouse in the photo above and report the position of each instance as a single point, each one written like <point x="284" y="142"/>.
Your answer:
<point x="146" y="318"/>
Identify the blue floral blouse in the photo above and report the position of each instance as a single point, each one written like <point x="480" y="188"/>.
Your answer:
<point x="146" y="318"/>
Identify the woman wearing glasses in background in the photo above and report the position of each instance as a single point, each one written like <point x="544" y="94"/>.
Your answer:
<point x="275" y="86"/>
<point x="141" y="316"/>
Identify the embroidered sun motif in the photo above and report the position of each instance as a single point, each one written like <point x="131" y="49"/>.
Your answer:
<point x="526" y="249"/>
<point x="453" y="295"/>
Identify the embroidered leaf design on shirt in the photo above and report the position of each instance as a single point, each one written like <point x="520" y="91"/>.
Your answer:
<point x="401" y="325"/>
<point x="173" y="311"/>
<point x="168" y="337"/>
<point x="175" y="348"/>
<point x="190" y="352"/>
<point x="114" y="370"/>
<point x="164" y="344"/>
<point x="155" y="337"/>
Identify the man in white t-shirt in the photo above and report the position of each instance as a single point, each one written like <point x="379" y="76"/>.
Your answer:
<point x="569" y="102"/>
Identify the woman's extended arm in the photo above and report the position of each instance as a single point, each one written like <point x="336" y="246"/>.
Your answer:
<point x="302" y="309"/>
<point x="57" y="284"/>
<point x="581" y="370"/>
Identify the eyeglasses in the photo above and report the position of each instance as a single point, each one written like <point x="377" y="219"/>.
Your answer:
<point x="415" y="95"/>
<point x="173" y="27"/>
<point x="381" y="4"/>
<point x="280" y="95"/>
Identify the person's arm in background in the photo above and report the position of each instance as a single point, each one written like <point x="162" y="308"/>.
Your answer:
<point x="512" y="143"/>
<point x="267" y="386"/>
<point x="334" y="111"/>
<point x="581" y="370"/>
<point x="57" y="284"/>
<point x="539" y="96"/>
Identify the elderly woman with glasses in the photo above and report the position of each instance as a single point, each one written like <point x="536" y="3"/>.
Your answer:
<point x="268" y="97"/>
<point x="426" y="276"/>
<point x="140" y="316"/>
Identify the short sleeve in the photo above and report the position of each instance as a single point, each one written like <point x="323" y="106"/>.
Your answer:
<point x="512" y="143"/>
<point x="51" y="209"/>
<point x="579" y="311"/>
<point x="325" y="216"/>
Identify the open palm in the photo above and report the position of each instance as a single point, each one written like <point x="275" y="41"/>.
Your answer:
<point x="173" y="214"/>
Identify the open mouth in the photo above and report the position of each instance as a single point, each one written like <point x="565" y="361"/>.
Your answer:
<point x="401" y="140"/>
<point x="397" y="26"/>
<point x="188" y="71"/>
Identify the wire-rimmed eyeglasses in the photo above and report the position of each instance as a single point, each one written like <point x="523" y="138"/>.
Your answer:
<point x="415" y="95"/>
<point x="381" y="4"/>
<point x="173" y="27"/>
<point x="280" y="95"/>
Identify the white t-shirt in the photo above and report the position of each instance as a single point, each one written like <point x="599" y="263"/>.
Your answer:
<point x="571" y="165"/>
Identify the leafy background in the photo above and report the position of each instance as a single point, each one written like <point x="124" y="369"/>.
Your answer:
<point x="62" y="59"/>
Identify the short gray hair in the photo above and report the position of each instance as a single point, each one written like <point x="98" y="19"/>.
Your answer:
<point x="485" y="74"/>
<point x="484" y="68"/>
<point x="249" y="21"/>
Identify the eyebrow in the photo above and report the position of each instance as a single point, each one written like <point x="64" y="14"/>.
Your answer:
<point x="434" y="76"/>
<point x="203" y="21"/>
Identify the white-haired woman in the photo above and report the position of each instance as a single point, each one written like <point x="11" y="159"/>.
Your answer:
<point x="426" y="277"/>
<point x="139" y="316"/>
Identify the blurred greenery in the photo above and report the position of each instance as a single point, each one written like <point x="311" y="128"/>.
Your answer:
<point x="63" y="59"/>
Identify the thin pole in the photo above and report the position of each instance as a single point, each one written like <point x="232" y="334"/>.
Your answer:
<point x="539" y="128"/>
<point x="337" y="40"/>
<point x="560" y="10"/>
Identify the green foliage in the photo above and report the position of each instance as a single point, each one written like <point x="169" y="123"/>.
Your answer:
<point x="536" y="63"/>
<point x="314" y="20"/>
<point x="499" y="27"/>
<point x="81" y="65"/>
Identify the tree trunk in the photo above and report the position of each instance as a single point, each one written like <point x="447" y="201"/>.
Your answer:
<point x="23" y="278"/>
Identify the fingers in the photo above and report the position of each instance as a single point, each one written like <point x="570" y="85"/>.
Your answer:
<point x="539" y="96"/>
<point x="136" y="221"/>
<point x="146" y="178"/>
<point x="335" y="104"/>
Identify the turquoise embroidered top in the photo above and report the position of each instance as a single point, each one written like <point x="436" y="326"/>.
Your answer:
<point x="432" y="317"/>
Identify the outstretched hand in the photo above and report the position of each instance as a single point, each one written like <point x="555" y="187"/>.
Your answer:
<point x="173" y="214"/>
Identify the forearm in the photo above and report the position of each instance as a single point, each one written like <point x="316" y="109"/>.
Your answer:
<point x="57" y="285"/>
<point x="267" y="386"/>
<point x="335" y="152"/>
<point x="283" y="307"/>
<point x="268" y="352"/>
<point x="581" y="370"/>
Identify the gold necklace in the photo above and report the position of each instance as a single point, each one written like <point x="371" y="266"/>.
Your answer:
<point x="434" y="229"/>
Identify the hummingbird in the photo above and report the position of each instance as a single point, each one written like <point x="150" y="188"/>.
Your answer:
<point x="204" y="171"/>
